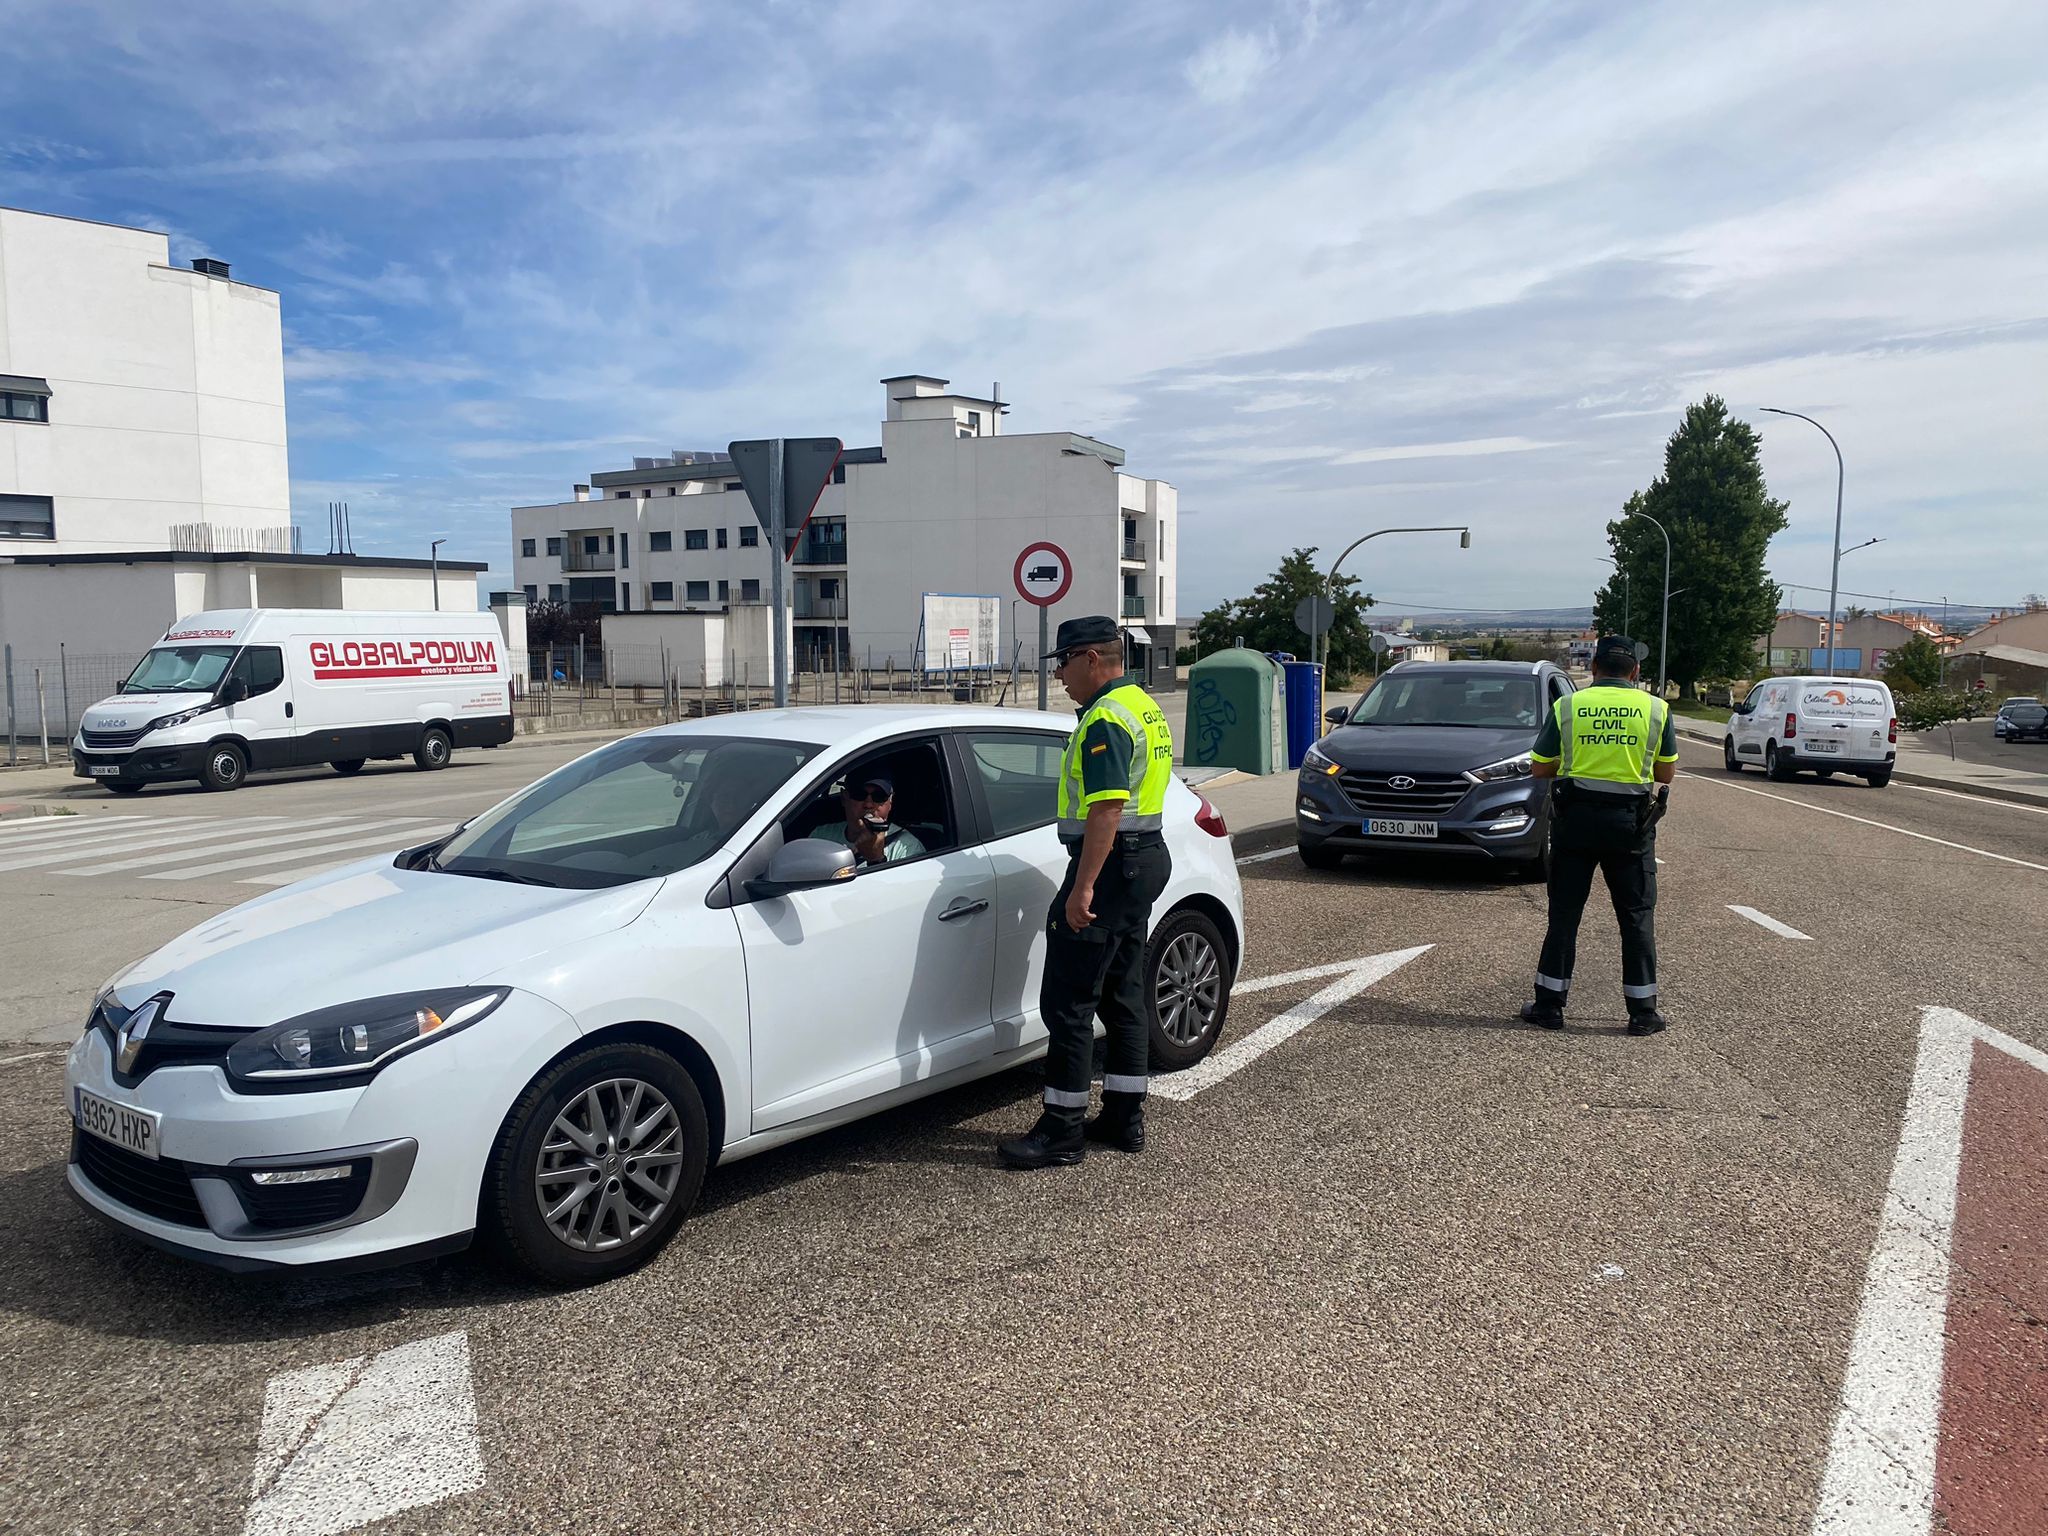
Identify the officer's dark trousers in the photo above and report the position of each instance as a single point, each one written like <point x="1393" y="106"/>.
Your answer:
<point x="1610" y="835"/>
<point x="1100" y="970"/>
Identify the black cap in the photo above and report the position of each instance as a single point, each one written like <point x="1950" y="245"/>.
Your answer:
<point x="1614" y="653"/>
<point x="1095" y="629"/>
<point x="863" y="780"/>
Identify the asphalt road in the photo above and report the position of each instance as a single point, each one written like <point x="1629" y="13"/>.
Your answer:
<point x="1413" y="1268"/>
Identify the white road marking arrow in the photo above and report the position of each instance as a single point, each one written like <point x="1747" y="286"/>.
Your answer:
<point x="352" y="1442"/>
<point x="1353" y="977"/>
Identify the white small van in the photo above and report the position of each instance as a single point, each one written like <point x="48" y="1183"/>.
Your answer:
<point x="1820" y="725"/>
<point x="239" y="689"/>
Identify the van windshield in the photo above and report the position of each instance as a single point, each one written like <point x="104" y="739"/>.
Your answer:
<point x="1480" y="699"/>
<point x="180" y="669"/>
<point x="643" y="807"/>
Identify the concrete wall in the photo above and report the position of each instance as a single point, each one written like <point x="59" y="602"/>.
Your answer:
<point x="167" y="391"/>
<point x="704" y="650"/>
<point x="2025" y="631"/>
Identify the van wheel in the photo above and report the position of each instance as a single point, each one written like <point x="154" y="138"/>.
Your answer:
<point x="225" y="767"/>
<point x="1187" y="990"/>
<point x="349" y="765"/>
<point x="1728" y="758"/>
<point x="596" y="1165"/>
<point x="1879" y="779"/>
<point x="1775" y="765"/>
<point x="434" y="749"/>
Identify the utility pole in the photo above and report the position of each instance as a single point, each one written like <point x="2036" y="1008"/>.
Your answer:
<point x="1835" y="568"/>
<point x="434" y="555"/>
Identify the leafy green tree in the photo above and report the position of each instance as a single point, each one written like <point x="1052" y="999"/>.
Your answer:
<point x="1713" y="501"/>
<point x="1914" y="667"/>
<point x="1265" y="619"/>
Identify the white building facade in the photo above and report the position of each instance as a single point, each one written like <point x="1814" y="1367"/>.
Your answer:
<point x="945" y="504"/>
<point x="141" y="404"/>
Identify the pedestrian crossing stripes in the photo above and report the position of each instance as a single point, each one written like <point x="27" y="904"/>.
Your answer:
<point x="248" y="850"/>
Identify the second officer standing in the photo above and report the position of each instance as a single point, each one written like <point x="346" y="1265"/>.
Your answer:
<point x="1114" y="776"/>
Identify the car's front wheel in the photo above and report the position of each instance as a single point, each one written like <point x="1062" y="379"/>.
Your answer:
<point x="434" y="749"/>
<point x="1187" y="990"/>
<point x="1728" y="758"/>
<point x="596" y="1164"/>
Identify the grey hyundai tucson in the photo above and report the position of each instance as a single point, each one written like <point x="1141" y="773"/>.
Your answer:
<point x="1433" y="759"/>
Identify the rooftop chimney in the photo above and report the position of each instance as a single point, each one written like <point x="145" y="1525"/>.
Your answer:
<point x="209" y="266"/>
<point x="583" y="493"/>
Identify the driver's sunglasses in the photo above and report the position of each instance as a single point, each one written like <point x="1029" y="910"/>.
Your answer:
<point x="871" y="794"/>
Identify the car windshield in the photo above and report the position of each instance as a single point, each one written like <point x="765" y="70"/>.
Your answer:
<point x="180" y="669"/>
<point x="637" y="809"/>
<point x="1478" y="699"/>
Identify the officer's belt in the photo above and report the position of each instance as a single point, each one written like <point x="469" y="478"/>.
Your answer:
<point x="1605" y="787"/>
<point x="1124" y="840"/>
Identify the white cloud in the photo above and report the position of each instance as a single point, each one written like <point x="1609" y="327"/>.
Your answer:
<point x="1477" y="447"/>
<point x="1227" y="68"/>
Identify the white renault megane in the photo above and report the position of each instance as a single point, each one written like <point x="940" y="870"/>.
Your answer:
<point x="543" y="1030"/>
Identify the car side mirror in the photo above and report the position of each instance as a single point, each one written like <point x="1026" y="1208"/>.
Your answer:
<point x="807" y="862"/>
<point x="1338" y="715"/>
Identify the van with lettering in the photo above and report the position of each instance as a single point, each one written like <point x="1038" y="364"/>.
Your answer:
<point x="240" y="690"/>
<point x="1822" y="725"/>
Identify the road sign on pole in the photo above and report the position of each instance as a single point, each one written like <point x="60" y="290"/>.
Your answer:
<point x="1314" y="615"/>
<point x="1043" y="574"/>
<point x="783" y="478"/>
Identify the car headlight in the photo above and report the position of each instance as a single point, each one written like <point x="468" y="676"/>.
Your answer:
<point x="180" y="718"/>
<point x="1313" y="761"/>
<point x="1496" y="773"/>
<point x="355" y="1039"/>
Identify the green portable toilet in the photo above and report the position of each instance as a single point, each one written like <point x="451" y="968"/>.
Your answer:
<point x="1237" y="713"/>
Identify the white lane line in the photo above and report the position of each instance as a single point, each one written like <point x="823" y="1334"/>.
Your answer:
<point x="15" y="834"/>
<point x="1358" y="975"/>
<point x="1289" y="978"/>
<point x="228" y="843"/>
<point x="98" y="845"/>
<point x="356" y="1441"/>
<point x="1765" y="920"/>
<point x="389" y="839"/>
<point x="2009" y="805"/>
<point x="1885" y="826"/>
<point x="1260" y="858"/>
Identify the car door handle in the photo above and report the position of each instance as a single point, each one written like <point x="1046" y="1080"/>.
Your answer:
<point x="962" y="909"/>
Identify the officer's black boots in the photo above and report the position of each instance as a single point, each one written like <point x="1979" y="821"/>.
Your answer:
<point x="1121" y="1123"/>
<point x="1055" y="1142"/>
<point x="1646" y="1022"/>
<point x="1544" y="1015"/>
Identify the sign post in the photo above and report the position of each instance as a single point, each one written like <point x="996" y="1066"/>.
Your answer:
<point x="1043" y="574"/>
<point x="783" y="477"/>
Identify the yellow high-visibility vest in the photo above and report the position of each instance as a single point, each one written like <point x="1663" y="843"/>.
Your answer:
<point x="1130" y="709"/>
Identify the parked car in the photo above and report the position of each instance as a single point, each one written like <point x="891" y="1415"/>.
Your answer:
<point x="543" y="1029"/>
<point x="235" y="690"/>
<point x="2024" y="721"/>
<point x="2000" y="726"/>
<point x="1434" y="759"/>
<point x="1821" y="725"/>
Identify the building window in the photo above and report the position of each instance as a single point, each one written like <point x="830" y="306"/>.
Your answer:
<point x="27" y="517"/>
<point x="839" y="474"/>
<point x="697" y="591"/>
<point x="625" y="597"/>
<point x="750" y="535"/>
<point x="554" y="546"/>
<point x="622" y="495"/>
<point x="721" y="538"/>
<point x="590" y="544"/>
<point x="554" y="591"/>
<point x="974" y="421"/>
<point x="526" y="548"/>
<point x="671" y="490"/>
<point x="19" y="405"/>
<point x="625" y="551"/>
<point x="828" y="587"/>
<point x="725" y="591"/>
<point x="750" y="590"/>
<point x="532" y="594"/>
<point x="695" y="538"/>
<point x="661" y="591"/>
<point x="660" y="543"/>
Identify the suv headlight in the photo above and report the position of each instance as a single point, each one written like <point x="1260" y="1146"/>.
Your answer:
<point x="180" y="718"/>
<point x="356" y="1039"/>
<point x="1313" y="761"/>
<point x="1495" y="773"/>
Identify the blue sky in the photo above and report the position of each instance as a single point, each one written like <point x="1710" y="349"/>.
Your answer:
<point x="1327" y="267"/>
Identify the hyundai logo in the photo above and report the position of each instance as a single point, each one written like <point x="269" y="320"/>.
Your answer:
<point x="1400" y="781"/>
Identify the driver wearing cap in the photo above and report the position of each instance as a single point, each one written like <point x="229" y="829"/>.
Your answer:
<point x="867" y="829"/>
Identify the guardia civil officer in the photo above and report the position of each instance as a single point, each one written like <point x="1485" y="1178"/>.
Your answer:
<point x="1113" y="781"/>
<point x="1606" y="745"/>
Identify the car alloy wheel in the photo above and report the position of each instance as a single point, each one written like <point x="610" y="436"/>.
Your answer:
<point x="609" y="1165"/>
<point x="1187" y="990"/>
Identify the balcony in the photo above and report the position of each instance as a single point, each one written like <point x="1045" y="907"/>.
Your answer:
<point x="1134" y="607"/>
<point x="810" y="551"/>
<point x="576" y="560"/>
<point x="820" y="608"/>
<point x="1134" y="549"/>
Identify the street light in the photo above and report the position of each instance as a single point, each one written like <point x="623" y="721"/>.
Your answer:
<point x="1330" y="581"/>
<point x="1664" y="637"/>
<point x="1835" y="570"/>
<point x="434" y="554"/>
<point x="1621" y="571"/>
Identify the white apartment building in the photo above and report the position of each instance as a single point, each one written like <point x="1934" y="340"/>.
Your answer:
<point x="945" y="503"/>
<point x="141" y="404"/>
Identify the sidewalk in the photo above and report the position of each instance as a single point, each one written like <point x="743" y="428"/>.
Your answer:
<point x="1931" y="768"/>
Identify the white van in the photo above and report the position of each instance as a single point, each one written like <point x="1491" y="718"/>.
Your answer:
<point x="246" y="688"/>
<point x="1818" y="724"/>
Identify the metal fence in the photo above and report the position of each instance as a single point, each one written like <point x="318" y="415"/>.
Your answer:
<point x="46" y="696"/>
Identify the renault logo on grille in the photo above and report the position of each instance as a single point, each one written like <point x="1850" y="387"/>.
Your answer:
<point x="1400" y="781"/>
<point x="129" y="1039"/>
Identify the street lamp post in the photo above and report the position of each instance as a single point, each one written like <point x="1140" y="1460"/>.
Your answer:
<point x="1664" y="635"/>
<point x="1835" y="567"/>
<point x="1330" y="581"/>
<point x="434" y="555"/>
<point x="1626" y="605"/>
